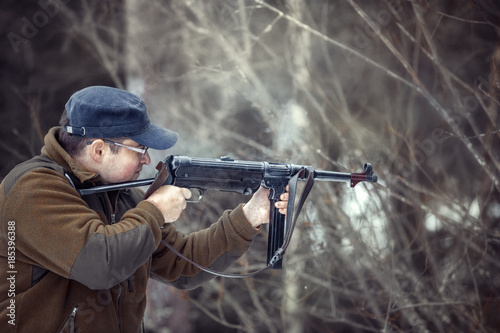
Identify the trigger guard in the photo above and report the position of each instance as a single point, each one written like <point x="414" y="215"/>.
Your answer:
<point x="198" y="199"/>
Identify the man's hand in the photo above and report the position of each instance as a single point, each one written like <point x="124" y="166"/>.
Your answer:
<point x="257" y="209"/>
<point x="170" y="200"/>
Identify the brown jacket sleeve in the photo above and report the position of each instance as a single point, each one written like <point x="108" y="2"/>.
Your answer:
<point x="216" y="247"/>
<point x="56" y="230"/>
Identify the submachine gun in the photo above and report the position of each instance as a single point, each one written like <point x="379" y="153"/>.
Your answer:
<point x="244" y="177"/>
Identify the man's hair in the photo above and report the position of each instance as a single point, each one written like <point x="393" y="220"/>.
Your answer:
<point x="74" y="144"/>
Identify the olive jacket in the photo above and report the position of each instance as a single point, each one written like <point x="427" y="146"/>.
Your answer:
<point x="81" y="264"/>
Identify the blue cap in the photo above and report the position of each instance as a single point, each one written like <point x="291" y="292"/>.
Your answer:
<point x="105" y="112"/>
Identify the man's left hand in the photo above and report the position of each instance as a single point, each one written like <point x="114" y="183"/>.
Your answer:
<point x="257" y="209"/>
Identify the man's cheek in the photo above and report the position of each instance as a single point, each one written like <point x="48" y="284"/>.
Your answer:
<point x="122" y="174"/>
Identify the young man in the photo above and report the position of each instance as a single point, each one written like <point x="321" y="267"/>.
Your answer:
<point x="72" y="263"/>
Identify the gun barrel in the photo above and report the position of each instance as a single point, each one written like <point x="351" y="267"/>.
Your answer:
<point x="351" y="178"/>
<point x="332" y="176"/>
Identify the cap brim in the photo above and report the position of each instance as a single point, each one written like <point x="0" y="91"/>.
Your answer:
<point x="156" y="137"/>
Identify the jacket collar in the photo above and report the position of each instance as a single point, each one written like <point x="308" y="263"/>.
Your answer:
<point x="57" y="153"/>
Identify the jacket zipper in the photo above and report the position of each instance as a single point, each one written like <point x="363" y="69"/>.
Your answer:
<point x="118" y="307"/>
<point x="113" y="209"/>
<point x="113" y="215"/>
<point x="70" y="321"/>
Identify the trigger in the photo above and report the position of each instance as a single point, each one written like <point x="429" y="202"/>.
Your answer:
<point x="196" y="195"/>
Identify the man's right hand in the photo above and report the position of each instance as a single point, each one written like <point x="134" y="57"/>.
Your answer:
<point x="170" y="200"/>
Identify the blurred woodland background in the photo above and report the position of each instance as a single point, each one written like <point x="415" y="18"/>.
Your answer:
<point x="410" y="86"/>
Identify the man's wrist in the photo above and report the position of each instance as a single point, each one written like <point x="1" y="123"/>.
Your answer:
<point x="250" y="218"/>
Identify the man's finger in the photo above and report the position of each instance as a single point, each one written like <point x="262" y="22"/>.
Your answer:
<point x="187" y="193"/>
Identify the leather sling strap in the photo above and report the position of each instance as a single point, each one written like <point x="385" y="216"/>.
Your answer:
<point x="290" y="221"/>
<point x="159" y="180"/>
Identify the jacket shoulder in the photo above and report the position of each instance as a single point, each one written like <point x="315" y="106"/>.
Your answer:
<point x="40" y="161"/>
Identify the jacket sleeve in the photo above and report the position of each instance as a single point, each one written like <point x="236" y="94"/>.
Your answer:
<point x="216" y="247"/>
<point x="56" y="230"/>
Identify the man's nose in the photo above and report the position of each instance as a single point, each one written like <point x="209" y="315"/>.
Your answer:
<point x="146" y="159"/>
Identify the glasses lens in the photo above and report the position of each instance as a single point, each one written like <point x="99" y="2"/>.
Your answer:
<point x="144" y="153"/>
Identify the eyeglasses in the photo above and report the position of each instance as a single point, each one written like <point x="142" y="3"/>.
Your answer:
<point x="141" y="151"/>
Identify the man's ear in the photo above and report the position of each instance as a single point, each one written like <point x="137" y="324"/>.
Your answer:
<point x="97" y="150"/>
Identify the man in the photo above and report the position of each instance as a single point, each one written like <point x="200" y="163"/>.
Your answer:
<point x="74" y="263"/>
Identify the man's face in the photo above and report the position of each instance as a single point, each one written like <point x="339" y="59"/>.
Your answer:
<point x="125" y="165"/>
